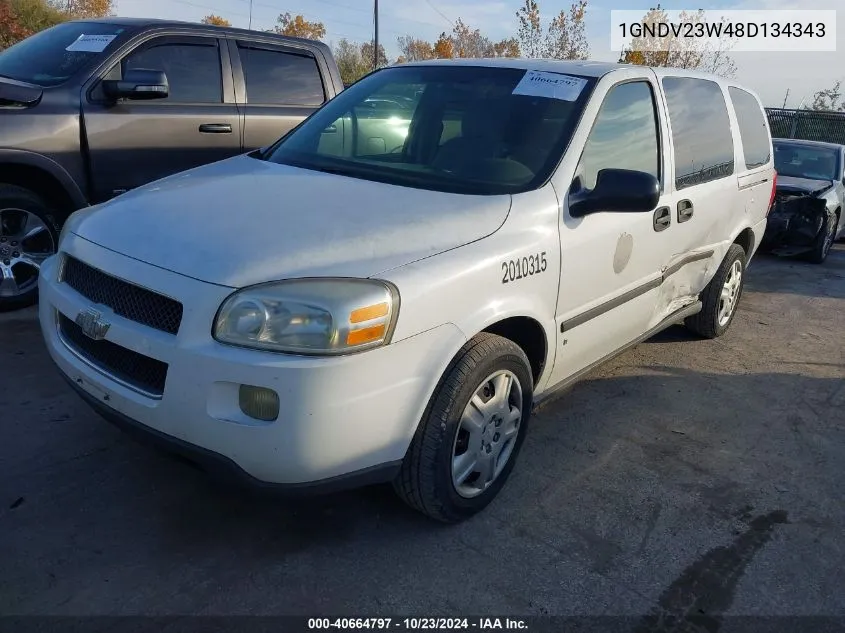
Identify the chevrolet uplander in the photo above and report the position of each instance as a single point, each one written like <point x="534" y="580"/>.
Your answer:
<point x="384" y="293"/>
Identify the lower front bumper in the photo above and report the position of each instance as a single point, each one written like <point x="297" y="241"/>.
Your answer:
<point x="223" y="469"/>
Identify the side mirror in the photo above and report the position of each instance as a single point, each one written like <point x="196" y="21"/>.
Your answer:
<point x="138" y="84"/>
<point x="617" y="190"/>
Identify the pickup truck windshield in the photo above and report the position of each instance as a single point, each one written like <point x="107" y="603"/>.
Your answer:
<point x="805" y="161"/>
<point x="53" y="56"/>
<point x="461" y="129"/>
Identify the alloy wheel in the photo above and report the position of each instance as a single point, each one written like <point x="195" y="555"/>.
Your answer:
<point x="25" y="242"/>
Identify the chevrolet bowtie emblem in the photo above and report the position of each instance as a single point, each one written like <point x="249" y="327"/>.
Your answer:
<point x="92" y="325"/>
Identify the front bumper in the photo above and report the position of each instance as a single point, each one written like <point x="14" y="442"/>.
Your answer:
<point x="349" y="418"/>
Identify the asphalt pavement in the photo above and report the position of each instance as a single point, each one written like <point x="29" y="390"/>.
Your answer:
<point x="685" y="479"/>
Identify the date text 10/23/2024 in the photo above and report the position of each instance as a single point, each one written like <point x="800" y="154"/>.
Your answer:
<point x="417" y="624"/>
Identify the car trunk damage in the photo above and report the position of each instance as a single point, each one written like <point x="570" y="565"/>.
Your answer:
<point x="796" y="219"/>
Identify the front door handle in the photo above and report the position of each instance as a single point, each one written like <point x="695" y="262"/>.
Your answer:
<point x="684" y="211"/>
<point x="216" y="128"/>
<point x="662" y="219"/>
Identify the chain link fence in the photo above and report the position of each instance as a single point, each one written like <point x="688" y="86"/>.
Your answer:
<point x="809" y="125"/>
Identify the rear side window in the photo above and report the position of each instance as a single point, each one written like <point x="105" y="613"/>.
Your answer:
<point x="756" y="144"/>
<point x="278" y="78"/>
<point x="701" y="131"/>
<point x="624" y="135"/>
<point x="192" y="68"/>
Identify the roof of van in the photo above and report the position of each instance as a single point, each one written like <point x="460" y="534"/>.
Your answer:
<point x="585" y="68"/>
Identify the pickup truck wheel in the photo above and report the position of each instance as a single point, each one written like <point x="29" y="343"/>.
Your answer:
<point x="28" y="235"/>
<point x="824" y="240"/>
<point x="469" y="437"/>
<point x="721" y="296"/>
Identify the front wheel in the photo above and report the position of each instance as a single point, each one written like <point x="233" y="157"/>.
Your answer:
<point x="28" y="235"/>
<point x="721" y="296"/>
<point x="824" y="240"/>
<point x="469" y="437"/>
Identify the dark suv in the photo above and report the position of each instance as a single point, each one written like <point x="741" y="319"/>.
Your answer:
<point x="89" y="110"/>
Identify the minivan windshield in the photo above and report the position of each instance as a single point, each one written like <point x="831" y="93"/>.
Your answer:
<point x="464" y="129"/>
<point x="805" y="161"/>
<point x="53" y="56"/>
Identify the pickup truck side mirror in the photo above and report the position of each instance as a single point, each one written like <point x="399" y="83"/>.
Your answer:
<point x="617" y="190"/>
<point x="138" y="84"/>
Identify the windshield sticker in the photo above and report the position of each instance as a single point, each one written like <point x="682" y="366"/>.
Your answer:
<point x="90" y="43"/>
<point x="552" y="85"/>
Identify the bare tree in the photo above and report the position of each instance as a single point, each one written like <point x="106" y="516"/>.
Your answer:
<point x="829" y="99"/>
<point x="648" y="49"/>
<point x="414" y="49"/>
<point x="565" y="37"/>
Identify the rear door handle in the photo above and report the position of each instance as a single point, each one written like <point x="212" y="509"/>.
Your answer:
<point x="216" y="128"/>
<point x="685" y="211"/>
<point x="662" y="219"/>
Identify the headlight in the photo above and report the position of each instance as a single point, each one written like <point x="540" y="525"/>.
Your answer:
<point x="310" y="316"/>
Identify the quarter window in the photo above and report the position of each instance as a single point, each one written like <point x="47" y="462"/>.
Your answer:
<point x="280" y="78"/>
<point x="756" y="144"/>
<point x="701" y="130"/>
<point x="624" y="135"/>
<point x="193" y="69"/>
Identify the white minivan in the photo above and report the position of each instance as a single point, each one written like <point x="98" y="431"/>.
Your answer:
<point x="383" y="294"/>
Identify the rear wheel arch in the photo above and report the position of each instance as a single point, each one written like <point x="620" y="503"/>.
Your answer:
<point x="746" y="241"/>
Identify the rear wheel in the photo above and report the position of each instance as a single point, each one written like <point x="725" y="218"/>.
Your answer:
<point x="469" y="438"/>
<point x="29" y="234"/>
<point x="721" y="296"/>
<point x="824" y="240"/>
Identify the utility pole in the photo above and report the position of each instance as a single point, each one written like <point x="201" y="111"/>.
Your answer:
<point x="375" y="47"/>
<point x="250" y="15"/>
<point x="785" y="98"/>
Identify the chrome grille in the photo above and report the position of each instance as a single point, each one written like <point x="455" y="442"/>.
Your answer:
<point x="131" y="368"/>
<point x="126" y="299"/>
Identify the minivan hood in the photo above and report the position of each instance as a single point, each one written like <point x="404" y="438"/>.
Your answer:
<point x="17" y="93"/>
<point x="244" y="221"/>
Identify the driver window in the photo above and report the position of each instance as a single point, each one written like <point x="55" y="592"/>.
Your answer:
<point x="192" y="66"/>
<point x="624" y="135"/>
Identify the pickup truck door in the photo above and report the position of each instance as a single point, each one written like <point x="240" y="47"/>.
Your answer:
<point x="612" y="262"/>
<point x="276" y="87"/>
<point x="131" y="143"/>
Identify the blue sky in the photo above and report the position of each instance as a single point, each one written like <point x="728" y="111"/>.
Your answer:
<point x="768" y="73"/>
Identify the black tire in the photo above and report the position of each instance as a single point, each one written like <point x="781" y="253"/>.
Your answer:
<point x="14" y="197"/>
<point x="425" y="479"/>
<point x="824" y="240"/>
<point x="706" y="323"/>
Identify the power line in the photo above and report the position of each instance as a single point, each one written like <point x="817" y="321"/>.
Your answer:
<point x="440" y="13"/>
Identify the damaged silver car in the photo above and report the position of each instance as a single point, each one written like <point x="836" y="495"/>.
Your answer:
<point x="806" y="215"/>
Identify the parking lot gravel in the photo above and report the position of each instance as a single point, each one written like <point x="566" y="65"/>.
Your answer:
<point x="685" y="478"/>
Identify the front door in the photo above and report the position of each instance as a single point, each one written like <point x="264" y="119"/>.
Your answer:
<point x="611" y="262"/>
<point x="132" y="143"/>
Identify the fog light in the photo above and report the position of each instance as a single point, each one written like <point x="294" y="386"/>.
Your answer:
<point x="259" y="403"/>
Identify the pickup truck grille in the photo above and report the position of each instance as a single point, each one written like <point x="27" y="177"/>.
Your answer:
<point x="126" y="299"/>
<point x="131" y="368"/>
